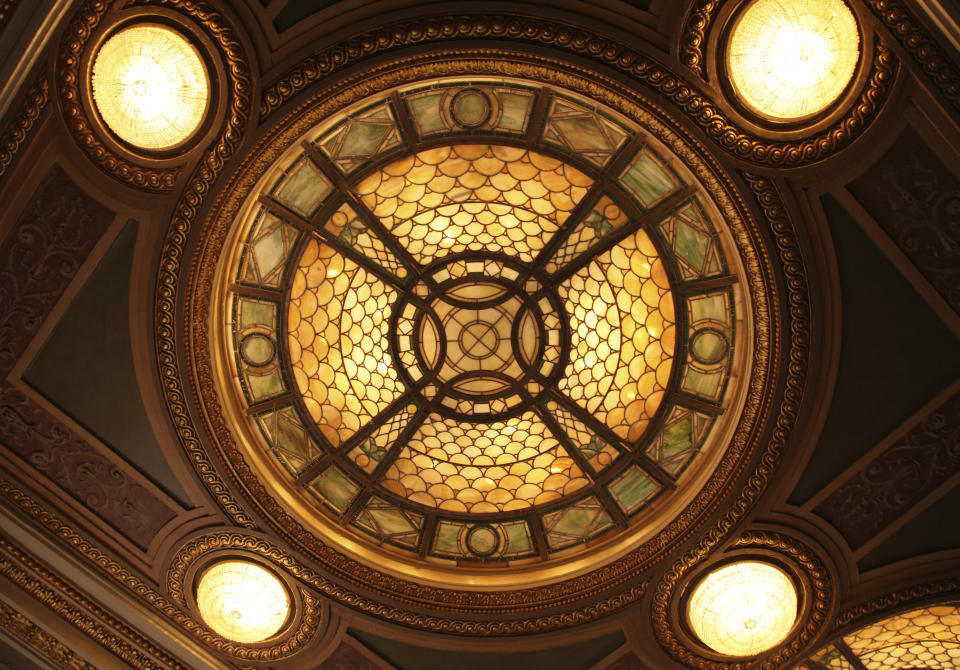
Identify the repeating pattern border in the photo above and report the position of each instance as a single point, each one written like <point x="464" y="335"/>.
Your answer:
<point x="44" y="644"/>
<point x="18" y="128"/>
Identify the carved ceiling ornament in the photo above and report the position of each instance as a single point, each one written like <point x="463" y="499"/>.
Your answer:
<point x="601" y="590"/>
<point x="199" y="26"/>
<point x="802" y="562"/>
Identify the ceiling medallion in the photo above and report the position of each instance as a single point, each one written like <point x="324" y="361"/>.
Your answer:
<point x="481" y="332"/>
<point x="478" y="330"/>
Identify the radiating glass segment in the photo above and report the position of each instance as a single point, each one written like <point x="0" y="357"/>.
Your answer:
<point x="789" y="60"/>
<point x="490" y="467"/>
<point x="150" y="86"/>
<point x="622" y="336"/>
<point x="337" y="339"/>
<point x="743" y="608"/>
<point x="473" y="197"/>
<point x="242" y="601"/>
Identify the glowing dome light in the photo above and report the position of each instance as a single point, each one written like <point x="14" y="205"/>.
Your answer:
<point x="743" y="608"/>
<point x="790" y="59"/>
<point x="150" y="86"/>
<point x="242" y="601"/>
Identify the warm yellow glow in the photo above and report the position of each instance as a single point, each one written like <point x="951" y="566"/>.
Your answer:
<point x="791" y="59"/>
<point x="150" y="86"/>
<point x="743" y="608"/>
<point x="242" y="601"/>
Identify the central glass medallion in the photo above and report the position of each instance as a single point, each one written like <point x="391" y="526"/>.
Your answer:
<point x="479" y="337"/>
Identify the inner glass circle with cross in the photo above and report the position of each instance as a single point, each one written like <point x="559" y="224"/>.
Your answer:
<point x="485" y="335"/>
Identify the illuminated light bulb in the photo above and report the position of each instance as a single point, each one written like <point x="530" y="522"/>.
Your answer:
<point x="150" y="86"/>
<point x="332" y="272"/>
<point x="744" y="608"/>
<point x="242" y="601"/>
<point x="789" y="60"/>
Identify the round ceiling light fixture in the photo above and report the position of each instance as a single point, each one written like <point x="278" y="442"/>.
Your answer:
<point x="743" y="608"/>
<point x="150" y="86"/>
<point x="242" y="601"/>
<point x="790" y="60"/>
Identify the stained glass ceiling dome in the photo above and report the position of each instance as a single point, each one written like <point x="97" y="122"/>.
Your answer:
<point x="481" y="324"/>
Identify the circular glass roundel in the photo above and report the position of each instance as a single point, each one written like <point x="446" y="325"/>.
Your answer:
<point x="744" y="608"/>
<point x="150" y="86"/>
<point x="489" y="342"/>
<point x="790" y="60"/>
<point x="242" y="601"/>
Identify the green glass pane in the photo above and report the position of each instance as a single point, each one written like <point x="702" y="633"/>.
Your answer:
<point x="426" y="113"/>
<point x="514" y="110"/>
<point x="575" y="523"/>
<point x="647" y="179"/>
<point x="677" y="438"/>
<point x="711" y="307"/>
<point x="470" y="109"/>
<point x="304" y="188"/>
<point x="583" y="133"/>
<point x="518" y="538"/>
<point x="256" y="313"/>
<point x="691" y="244"/>
<point x="257" y="349"/>
<point x="706" y="384"/>
<point x="363" y="139"/>
<point x="448" y="538"/>
<point x="632" y="489"/>
<point x="482" y="540"/>
<point x="335" y="488"/>
<point x="708" y="346"/>
<point x="264" y="386"/>
<point x="391" y="521"/>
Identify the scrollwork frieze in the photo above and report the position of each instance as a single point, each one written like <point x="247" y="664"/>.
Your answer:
<point x="44" y="644"/>
<point x="695" y="34"/>
<point x="19" y="126"/>
<point x="856" y="615"/>
<point x="918" y="44"/>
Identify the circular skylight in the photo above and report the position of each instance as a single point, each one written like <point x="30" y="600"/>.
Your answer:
<point x="490" y="341"/>
<point x="150" y="86"/>
<point x="743" y="608"/>
<point x="242" y="601"/>
<point x="789" y="60"/>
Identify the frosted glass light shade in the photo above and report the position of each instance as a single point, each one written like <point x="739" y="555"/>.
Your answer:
<point x="788" y="59"/>
<point x="242" y="601"/>
<point x="743" y="608"/>
<point x="150" y="86"/>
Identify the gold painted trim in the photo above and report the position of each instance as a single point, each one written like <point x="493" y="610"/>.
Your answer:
<point x="86" y="616"/>
<point x="18" y="128"/>
<point x="44" y="644"/>
<point x="855" y="616"/>
<point x="685" y="95"/>
<point x="919" y="44"/>
<point x="694" y="34"/>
